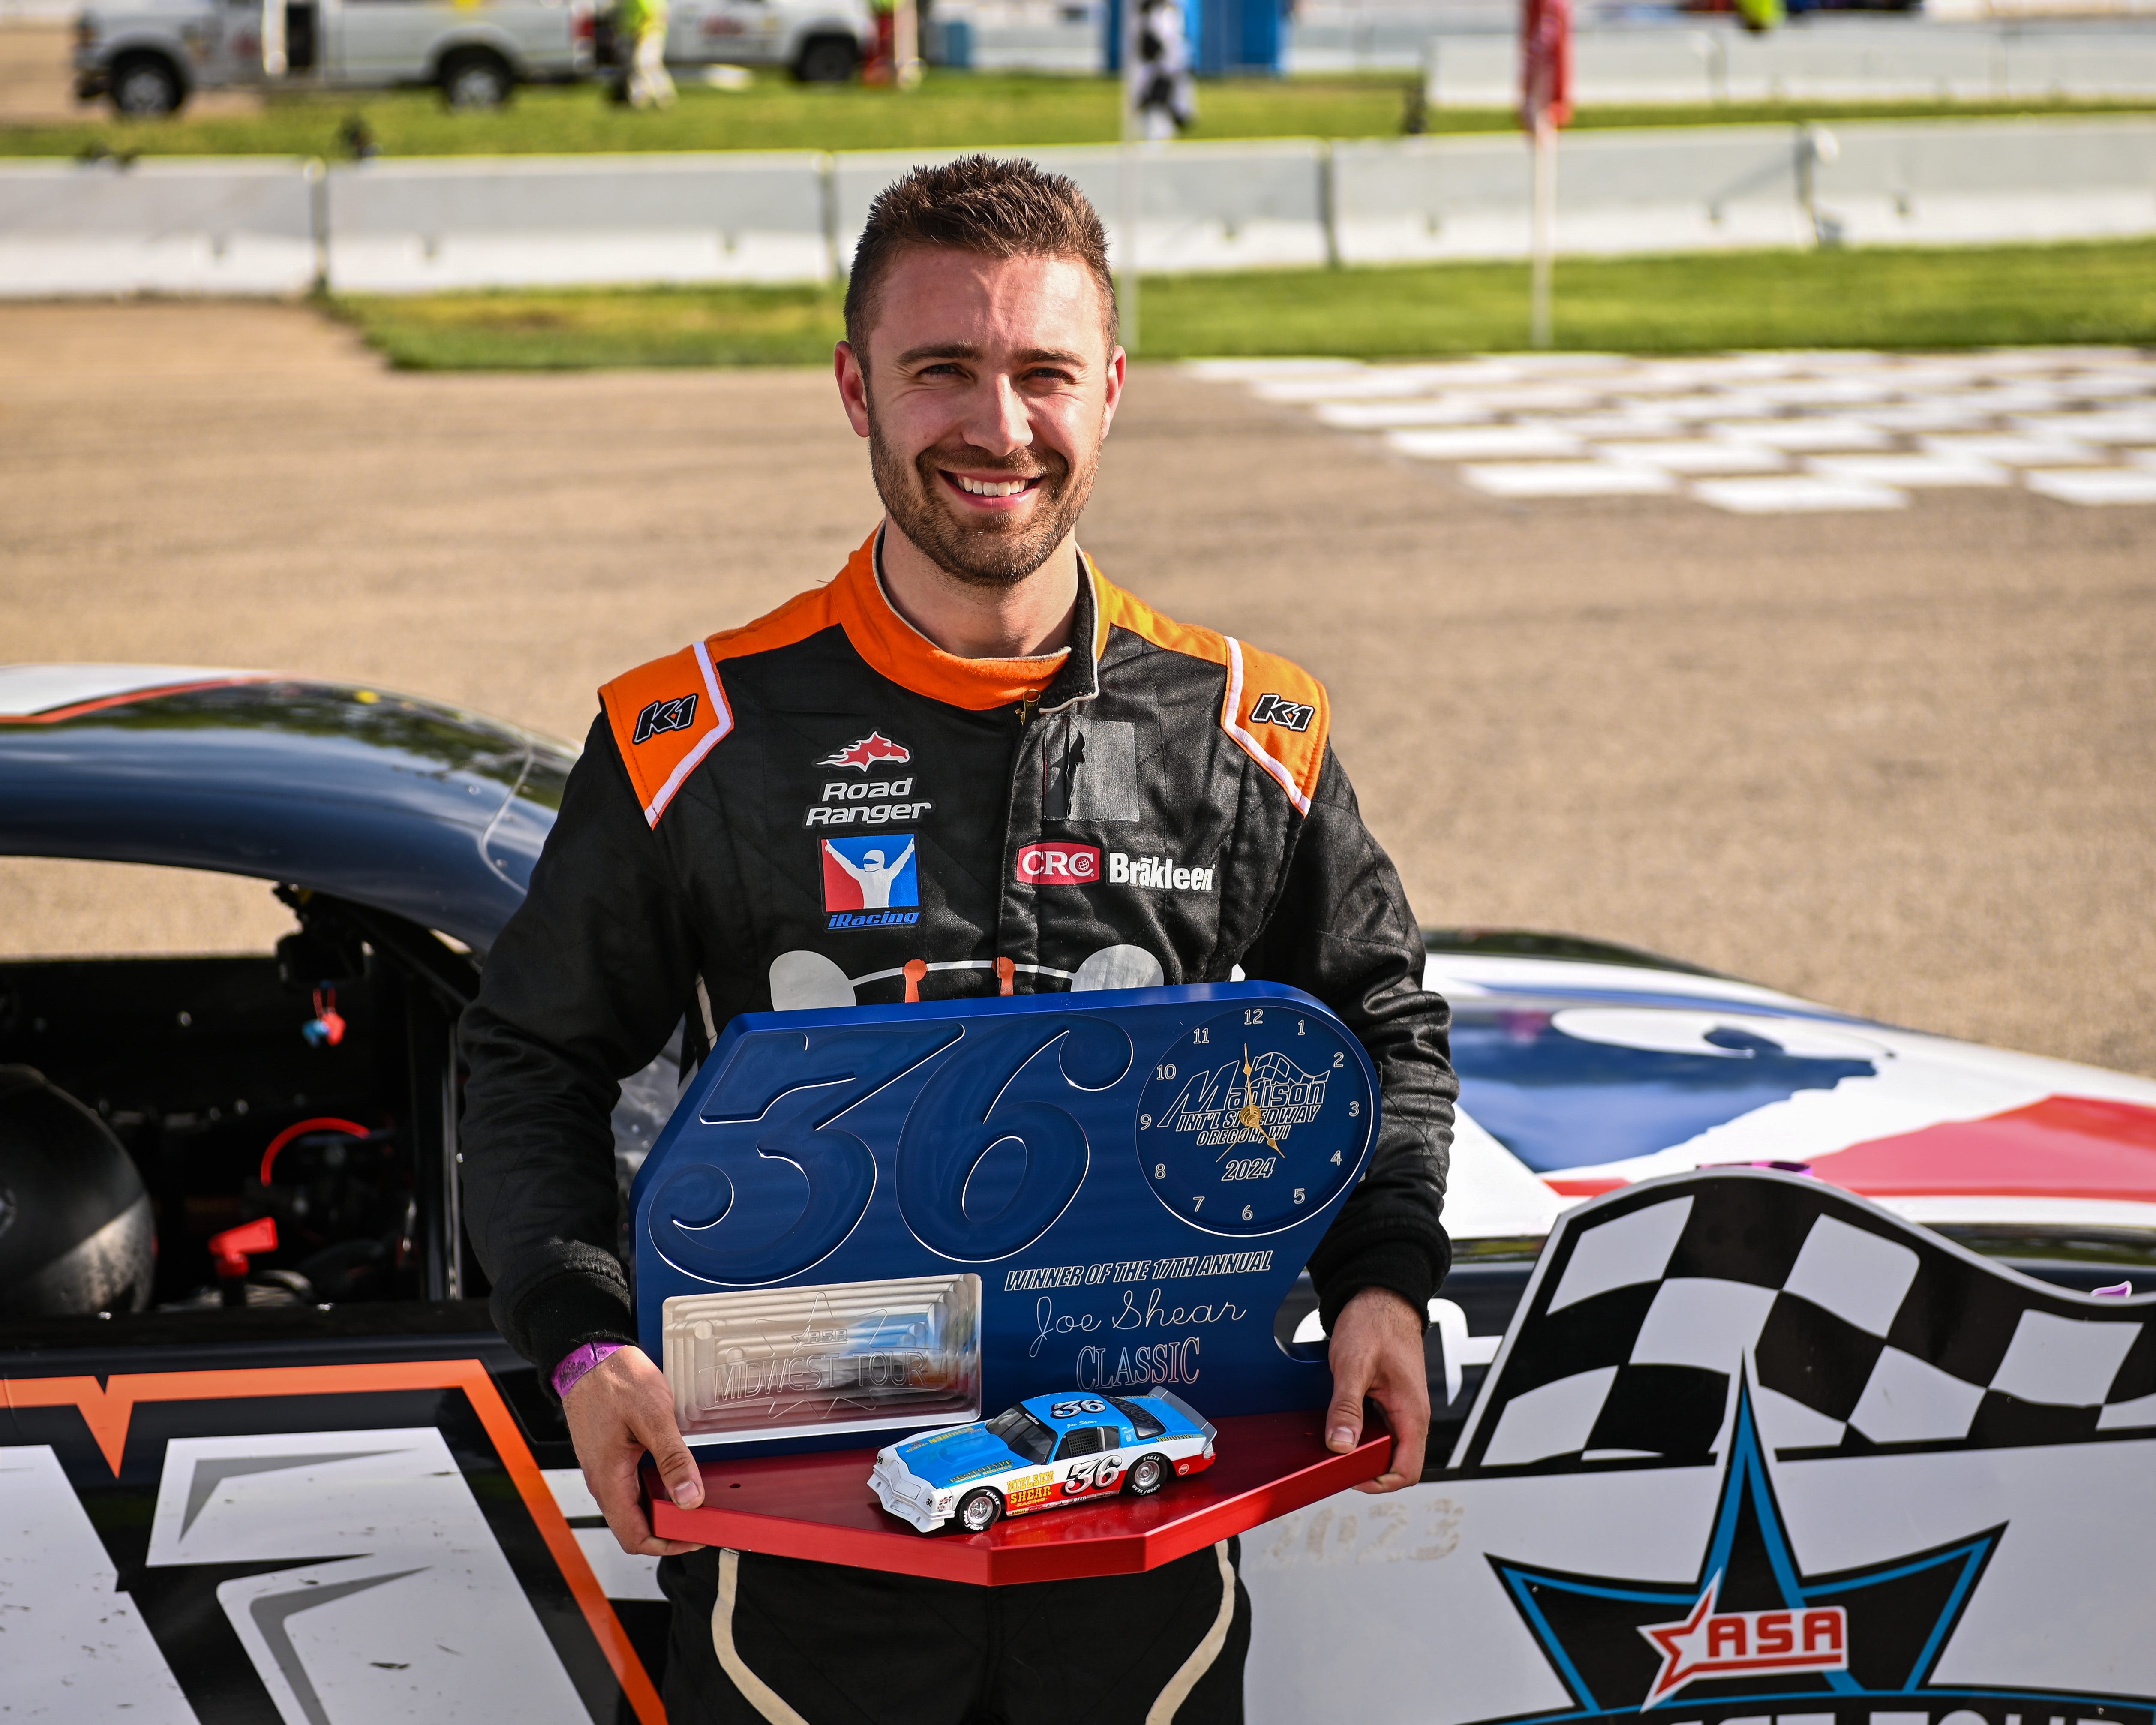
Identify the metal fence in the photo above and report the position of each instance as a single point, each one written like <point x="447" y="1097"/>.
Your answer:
<point x="280" y="227"/>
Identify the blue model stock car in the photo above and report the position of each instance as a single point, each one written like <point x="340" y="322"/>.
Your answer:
<point x="1047" y="1451"/>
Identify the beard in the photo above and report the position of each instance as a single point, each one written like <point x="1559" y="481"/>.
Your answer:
<point x="992" y="551"/>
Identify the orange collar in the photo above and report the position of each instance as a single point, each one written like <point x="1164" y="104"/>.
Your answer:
<point x="901" y="652"/>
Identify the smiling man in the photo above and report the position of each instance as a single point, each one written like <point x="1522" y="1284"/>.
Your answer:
<point x="970" y="764"/>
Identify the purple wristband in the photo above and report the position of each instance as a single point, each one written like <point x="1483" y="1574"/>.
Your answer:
<point x="571" y="1371"/>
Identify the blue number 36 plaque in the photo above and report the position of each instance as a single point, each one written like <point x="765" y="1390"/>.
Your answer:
<point x="871" y="1220"/>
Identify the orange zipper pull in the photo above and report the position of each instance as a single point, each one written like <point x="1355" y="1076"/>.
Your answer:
<point x="916" y="968"/>
<point x="1005" y="970"/>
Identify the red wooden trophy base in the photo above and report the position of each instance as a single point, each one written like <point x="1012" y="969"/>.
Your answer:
<point x="820" y="1508"/>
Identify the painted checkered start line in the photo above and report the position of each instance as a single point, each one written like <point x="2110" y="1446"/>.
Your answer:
<point x="1754" y="432"/>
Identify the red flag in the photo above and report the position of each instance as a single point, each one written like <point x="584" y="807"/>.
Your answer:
<point x="1545" y="62"/>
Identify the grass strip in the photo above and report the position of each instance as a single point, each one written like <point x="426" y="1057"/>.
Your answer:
<point x="950" y="110"/>
<point x="2103" y="292"/>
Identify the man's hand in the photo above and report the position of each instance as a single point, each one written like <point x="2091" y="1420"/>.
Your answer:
<point x="616" y="1411"/>
<point x="1377" y="1351"/>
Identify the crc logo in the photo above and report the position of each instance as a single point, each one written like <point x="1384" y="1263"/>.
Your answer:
<point x="663" y="715"/>
<point x="1056" y="865"/>
<point x="1288" y="714"/>
<point x="1747" y="1643"/>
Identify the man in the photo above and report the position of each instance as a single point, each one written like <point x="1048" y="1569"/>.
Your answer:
<point x="973" y="686"/>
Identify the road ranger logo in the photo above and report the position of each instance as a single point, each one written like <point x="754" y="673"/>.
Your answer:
<point x="1156" y="871"/>
<point x="663" y="715"/>
<point x="1750" y="1644"/>
<point x="864" y="752"/>
<point x="865" y="802"/>
<point x="1288" y="714"/>
<point x="1219" y="1106"/>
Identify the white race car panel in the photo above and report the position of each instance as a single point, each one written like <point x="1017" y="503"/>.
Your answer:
<point x="1947" y="1131"/>
<point x="624" y="1575"/>
<point x="59" y="1591"/>
<point x="1942" y="1516"/>
<point x="421" y="1620"/>
<point x="1462" y="975"/>
<point x="27" y="690"/>
<point x="1490" y="1194"/>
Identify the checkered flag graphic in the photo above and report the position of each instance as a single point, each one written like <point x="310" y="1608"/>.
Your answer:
<point x="1863" y="1333"/>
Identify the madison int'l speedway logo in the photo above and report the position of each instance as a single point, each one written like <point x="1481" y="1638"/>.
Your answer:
<point x="1216" y="1105"/>
<point x="1756" y="1637"/>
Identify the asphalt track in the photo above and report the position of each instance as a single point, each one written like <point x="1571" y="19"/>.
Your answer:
<point x="1902" y="762"/>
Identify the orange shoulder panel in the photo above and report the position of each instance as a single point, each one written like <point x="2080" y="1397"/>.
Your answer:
<point x="1275" y="711"/>
<point x="800" y="617"/>
<point x="666" y="716"/>
<point x="670" y="714"/>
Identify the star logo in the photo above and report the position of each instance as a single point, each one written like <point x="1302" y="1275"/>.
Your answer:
<point x="1754" y="1626"/>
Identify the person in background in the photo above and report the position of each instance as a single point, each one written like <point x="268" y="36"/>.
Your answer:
<point x="640" y="33"/>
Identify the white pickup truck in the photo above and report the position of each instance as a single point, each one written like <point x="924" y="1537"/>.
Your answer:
<point x="146" y="57"/>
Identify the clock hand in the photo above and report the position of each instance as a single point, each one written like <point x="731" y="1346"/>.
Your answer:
<point x="1250" y="1119"/>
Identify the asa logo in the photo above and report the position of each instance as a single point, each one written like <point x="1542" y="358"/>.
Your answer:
<point x="1288" y="714"/>
<point x="663" y="715"/>
<point x="1057" y="865"/>
<point x="864" y="752"/>
<point x="1752" y="1643"/>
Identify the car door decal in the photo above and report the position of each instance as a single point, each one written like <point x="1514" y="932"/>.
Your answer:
<point x="107" y="1409"/>
<point x="455" y="1636"/>
<point x="51" y="1557"/>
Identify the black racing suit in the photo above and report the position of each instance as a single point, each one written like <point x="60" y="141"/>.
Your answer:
<point x="822" y="807"/>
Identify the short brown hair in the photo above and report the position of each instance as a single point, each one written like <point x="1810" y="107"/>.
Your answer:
<point x="994" y="207"/>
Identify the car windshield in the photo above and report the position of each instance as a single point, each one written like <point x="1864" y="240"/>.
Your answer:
<point x="1144" y="1425"/>
<point x="1023" y="1435"/>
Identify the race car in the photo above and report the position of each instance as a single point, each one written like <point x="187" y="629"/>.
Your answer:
<point x="319" y="1472"/>
<point x="1048" y="1452"/>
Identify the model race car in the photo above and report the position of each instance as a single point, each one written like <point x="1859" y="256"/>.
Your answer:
<point x="242" y="1480"/>
<point x="1046" y="1453"/>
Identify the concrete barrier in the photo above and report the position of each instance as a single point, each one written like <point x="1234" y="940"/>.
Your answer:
<point x="171" y="226"/>
<point x="1815" y="58"/>
<point x="1678" y="190"/>
<point x="406" y="227"/>
<point x="410" y="227"/>
<point x="1966" y="183"/>
<point x="1200" y="206"/>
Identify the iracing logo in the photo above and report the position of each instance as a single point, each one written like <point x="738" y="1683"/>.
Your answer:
<point x="1726" y="1643"/>
<point x="871" y="883"/>
<point x="866" y="752"/>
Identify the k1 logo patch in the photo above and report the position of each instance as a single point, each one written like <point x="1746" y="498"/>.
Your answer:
<point x="1288" y="714"/>
<point x="871" y="882"/>
<point x="664" y="715"/>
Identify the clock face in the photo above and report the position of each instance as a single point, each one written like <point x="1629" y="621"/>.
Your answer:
<point x="1253" y="1120"/>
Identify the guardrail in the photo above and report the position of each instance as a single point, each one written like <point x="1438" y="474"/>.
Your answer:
<point x="1844" y="60"/>
<point x="178" y="227"/>
<point x="248" y="227"/>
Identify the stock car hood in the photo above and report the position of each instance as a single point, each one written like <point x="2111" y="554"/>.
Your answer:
<point x="410" y="805"/>
<point x="1580" y="1077"/>
<point x="945" y="1457"/>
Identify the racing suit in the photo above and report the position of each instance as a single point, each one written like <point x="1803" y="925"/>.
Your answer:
<point x="822" y="808"/>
